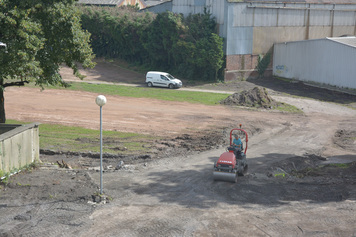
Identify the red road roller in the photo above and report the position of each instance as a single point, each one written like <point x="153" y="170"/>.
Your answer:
<point x="233" y="162"/>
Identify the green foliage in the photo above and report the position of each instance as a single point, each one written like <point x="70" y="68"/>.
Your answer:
<point x="280" y="175"/>
<point x="54" y="196"/>
<point x="160" y="37"/>
<point x="263" y="62"/>
<point x="5" y="178"/>
<point x="283" y="107"/>
<point x="2" y="173"/>
<point x="200" y="25"/>
<point x="340" y="165"/>
<point x="188" y="47"/>
<point x="40" y="36"/>
<point x="116" y="33"/>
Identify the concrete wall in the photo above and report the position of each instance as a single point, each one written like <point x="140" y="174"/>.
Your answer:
<point x="322" y="61"/>
<point x="18" y="146"/>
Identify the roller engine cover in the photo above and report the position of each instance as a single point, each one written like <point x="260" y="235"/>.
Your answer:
<point x="227" y="159"/>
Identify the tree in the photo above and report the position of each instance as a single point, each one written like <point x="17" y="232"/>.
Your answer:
<point x="263" y="62"/>
<point x="160" y="37"/>
<point x="199" y="51"/>
<point x="40" y="36"/>
<point x="186" y="47"/>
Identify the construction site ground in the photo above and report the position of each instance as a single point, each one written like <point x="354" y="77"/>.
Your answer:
<point x="297" y="183"/>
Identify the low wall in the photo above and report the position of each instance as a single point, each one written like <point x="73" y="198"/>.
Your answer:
<point x="243" y="75"/>
<point x="19" y="146"/>
<point x="243" y="67"/>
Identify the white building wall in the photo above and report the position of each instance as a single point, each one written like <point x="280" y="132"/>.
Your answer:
<point x="344" y="18"/>
<point x="322" y="61"/>
<point x="239" y="40"/>
<point x="291" y="18"/>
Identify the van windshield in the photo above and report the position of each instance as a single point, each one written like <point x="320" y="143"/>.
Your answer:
<point x="170" y="76"/>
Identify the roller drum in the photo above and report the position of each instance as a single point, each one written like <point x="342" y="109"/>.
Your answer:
<point x="225" y="176"/>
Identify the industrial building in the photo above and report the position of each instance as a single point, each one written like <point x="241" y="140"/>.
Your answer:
<point x="329" y="61"/>
<point x="251" y="28"/>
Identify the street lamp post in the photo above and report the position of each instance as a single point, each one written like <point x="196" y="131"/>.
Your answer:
<point x="101" y="101"/>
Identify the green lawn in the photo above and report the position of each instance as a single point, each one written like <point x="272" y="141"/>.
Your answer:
<point x="77" y="139"/>
<point x="148" y="92"/>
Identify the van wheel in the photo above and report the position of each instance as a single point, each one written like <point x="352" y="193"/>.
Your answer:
<point x="171" y="86"/>
<point x="149" y="84"/>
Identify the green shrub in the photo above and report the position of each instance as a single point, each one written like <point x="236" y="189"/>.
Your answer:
<point x="188" y="47"/>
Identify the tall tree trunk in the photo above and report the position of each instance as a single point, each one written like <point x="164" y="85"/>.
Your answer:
<point x="2" y="106"/>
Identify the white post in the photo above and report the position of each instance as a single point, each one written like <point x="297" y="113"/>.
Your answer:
<point x="101" y="101"/>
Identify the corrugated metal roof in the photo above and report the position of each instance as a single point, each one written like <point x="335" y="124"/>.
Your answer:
<point x="100" y="2"/>
<point x="151" y="3"/>
<point x="300" y="1"/>
<point x="350" y="40"/>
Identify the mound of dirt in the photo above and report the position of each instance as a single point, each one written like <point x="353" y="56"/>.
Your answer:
<point x="341" y="171"/>
<point x="312" y="166"/>
<point x="257" y="97"/>
<point x="298" y="163"/>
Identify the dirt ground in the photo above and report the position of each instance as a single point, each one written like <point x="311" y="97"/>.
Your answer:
<point x="297" y="183"/>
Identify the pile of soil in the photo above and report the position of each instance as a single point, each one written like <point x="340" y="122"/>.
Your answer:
<point x="346" y="172"/>
<point x="257" y="97"/>
<point x="314" y="166"/>
<point x="297" y="163"/>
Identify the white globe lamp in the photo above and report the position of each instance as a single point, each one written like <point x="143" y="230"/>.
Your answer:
<point x="100" y="100"/>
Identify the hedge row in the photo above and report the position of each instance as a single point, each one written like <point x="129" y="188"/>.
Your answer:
<point x="185" y="46"/>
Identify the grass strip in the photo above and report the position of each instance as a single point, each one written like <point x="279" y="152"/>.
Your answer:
<point x="205" y="98"/>
<point x="76" y="139"/>
<point x="283" y="107"/>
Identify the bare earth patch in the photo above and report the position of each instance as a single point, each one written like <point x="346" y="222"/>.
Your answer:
<point x="292" y="188"/>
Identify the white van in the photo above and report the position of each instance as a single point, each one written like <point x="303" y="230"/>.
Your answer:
<point x="162" y="79"/>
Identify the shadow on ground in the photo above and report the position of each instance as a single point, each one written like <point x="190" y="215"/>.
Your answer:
<point x="298" y="88"/>
<point x="195" y="187"/>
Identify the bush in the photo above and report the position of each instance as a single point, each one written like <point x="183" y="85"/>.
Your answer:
<point x="188" y="47"/>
